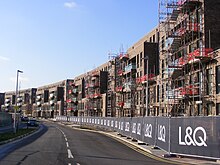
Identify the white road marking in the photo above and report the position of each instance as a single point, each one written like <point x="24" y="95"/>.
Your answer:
<point x="69" y="163"/>
<point x="69" y="154"/>
<point x="66" y="139"/>
<point x="67" y="144"/>
<point x="77" y="164"/>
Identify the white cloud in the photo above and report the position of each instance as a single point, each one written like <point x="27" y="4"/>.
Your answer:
<point x="4" y="58"/>
<point x="70" y="5"/>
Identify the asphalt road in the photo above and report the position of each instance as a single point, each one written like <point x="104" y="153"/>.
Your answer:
<point x="61" y="145"/>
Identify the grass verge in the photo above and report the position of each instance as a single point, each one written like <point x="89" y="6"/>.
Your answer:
<point x="11" y="135"/>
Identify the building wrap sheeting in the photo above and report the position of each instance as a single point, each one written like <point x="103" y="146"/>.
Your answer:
<point x="195" y="136"/>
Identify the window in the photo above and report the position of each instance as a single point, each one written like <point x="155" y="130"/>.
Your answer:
<point x="154" y="95"/>
<point x="138" y="61"/>
<point x="141" y="59"/>
<point x="217" y="79"/>
<point x="158" y="93"/>
<point x="138" y="93"/>
<point x="209" y="81"/>
<point x="154" y="38"/>
<point x="218" y="109"/>
<point x="162" y="42"/>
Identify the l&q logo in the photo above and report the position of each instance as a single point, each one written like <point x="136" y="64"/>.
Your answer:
<point x="161" y="133"/>
<point x="192" y="137"/>
<point x="148" y="130"/>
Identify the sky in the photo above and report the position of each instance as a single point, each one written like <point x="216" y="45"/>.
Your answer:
<point x="54" y="40"/>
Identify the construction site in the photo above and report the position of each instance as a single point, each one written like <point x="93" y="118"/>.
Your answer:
<point x="174" y="70"/>
<point x="189" y="70"/>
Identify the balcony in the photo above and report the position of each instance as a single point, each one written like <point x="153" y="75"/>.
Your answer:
<point x="19" y="99"/>
<point x="52" y="102"/>
<point x="72" y="100"/>
<point x="123" y="56"/>
<point x="69" y="109"/>
<point x="174" y="93"/>
<point x="129" y="68"/>
<point x="97" y="95"/>
<point x="89" y="96"/>
<point x="7" y="100"/>
<point x="127" y="86"/>
<point x="202" y="55"/>
<point x="38" y="98"/>
<point x="119" y="89"/>
<point x="120" y="72"/>
<point x="127" y="104"/>
<point x="176" y="67"/>
<point x="190" y="90"/>
<point x="121" y="104"/>
<point x="39" y="104"/>
<point x="190" y="4"/>
<point x="141" y="80"/>
<point x="73" y="91"/>
<point x="52" y="96"/>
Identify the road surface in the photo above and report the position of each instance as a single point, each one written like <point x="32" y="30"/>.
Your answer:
<point x="61" y="145"/>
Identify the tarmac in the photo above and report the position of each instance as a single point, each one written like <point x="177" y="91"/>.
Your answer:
<point x="148" y="150"/>
<point x="139" y="146"/>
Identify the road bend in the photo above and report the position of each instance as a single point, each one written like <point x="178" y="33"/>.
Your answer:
<point x="61" y="145"/>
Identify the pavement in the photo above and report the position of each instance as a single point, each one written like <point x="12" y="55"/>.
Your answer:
<point x="142" y="147"/>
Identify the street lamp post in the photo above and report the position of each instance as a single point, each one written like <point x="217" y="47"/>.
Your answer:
<point x="16" y="93"/>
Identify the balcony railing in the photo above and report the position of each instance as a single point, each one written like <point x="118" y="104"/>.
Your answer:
<point x="38" y="98"/>
<point x="121" y="104"/>
<point x="7" y="100"/>
<point x="72" y="100"/>
<point x="127" y="104"/>
<point x="198" y="54"/>
<point x="129" y="67"/>
<point x="189" y="90"/>
<point x="120" y="72"/>
<point x="123" y="56"/>
<point x="97" y="95"/>
<point x="119" y="89"/>
<point x="184" y="2"/>
<point x="52" y="95"/>
<point x="145" y="78"/>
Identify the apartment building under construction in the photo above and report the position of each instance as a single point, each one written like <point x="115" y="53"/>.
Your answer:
<point x="174" y="70"/>
<point x="189" y="36"/>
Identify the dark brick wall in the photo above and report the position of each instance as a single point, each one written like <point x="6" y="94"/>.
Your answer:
<point x="33" y="95"/>
<point x="103" y="81"/>
<point x="60" y="93"/>
<point x="151" y="50"/>
<point x="212" y="23"/>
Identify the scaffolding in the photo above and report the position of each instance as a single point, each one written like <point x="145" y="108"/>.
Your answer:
<point x="184" y="58"/>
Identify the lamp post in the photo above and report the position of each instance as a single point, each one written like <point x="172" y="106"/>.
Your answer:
<point x="16" y="93"/>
